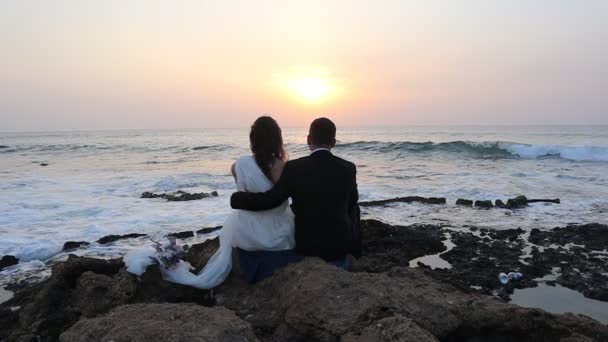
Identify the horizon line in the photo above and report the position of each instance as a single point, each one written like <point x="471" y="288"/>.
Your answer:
<point x="297" y="127"/>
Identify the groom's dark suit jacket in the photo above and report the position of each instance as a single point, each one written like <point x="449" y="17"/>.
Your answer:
<point x="324" y="196"/>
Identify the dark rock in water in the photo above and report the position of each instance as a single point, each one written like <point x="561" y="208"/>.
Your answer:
<point x="477" y="261"/>
<point x="44" y="164"/>
<point x="112" y="238"/>
<point x="536" y="200"/>
<point x="179" y="196"/>
<point x="517" y="202"/>
<point x="208" y="230"/>
<point x="386" y="246"/>
<point x="484" y="204"/>
<point x="3" y="146"/>
<point x="72" y="245"/>
<point x="182" y="235"/>
<point x="465" y="202"/>
<point x="8" y="260"/>
<point x="162" y="322"/>
<point x="576" y="251"/>
<point x="409" y="199"/>
<point x="500" y="204"/>
<point x="593" y="236"/>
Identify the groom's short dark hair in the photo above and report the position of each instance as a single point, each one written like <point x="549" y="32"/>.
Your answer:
<point x="322" y="132"/>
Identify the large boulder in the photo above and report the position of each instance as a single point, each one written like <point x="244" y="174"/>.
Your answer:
<point x="316" y="301"/>
<point x="65" y="296"/>
<point x="162" y="322"/>
<point x="86" y="287"/>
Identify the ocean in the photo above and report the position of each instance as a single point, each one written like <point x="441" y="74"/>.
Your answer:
<point x="92" y="184"/>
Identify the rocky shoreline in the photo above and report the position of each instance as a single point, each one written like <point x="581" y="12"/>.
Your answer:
<point x="381" y="299"/>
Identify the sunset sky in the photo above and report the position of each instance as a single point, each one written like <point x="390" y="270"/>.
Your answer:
<point x="122" y="64"/>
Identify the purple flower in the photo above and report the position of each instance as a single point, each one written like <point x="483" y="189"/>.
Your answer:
<point x="169" y="255"/>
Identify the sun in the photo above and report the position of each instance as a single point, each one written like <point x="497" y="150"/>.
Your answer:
<point x="309" y="89"/>
<point x="307" y="85"/>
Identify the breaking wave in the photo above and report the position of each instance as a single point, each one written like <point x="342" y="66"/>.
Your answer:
<point x="495" y="149"/>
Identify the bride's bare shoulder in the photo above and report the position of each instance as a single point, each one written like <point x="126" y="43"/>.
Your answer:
<point x="277" y="170"/>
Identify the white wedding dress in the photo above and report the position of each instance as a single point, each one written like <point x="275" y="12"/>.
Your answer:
<point x="270" y="230"/>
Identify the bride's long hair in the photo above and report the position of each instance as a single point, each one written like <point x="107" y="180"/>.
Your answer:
<point x="266" y="142"/>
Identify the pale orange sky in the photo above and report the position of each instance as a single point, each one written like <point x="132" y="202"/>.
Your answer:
<point x="110" y="64"/>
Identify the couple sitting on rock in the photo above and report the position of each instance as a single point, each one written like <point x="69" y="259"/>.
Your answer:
<point x="268" y="233"/>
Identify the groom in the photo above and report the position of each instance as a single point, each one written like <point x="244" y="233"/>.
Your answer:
<point x="323" y="189"/>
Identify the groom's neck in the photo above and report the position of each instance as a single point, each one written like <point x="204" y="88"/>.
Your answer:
<point x="314" y="148"/>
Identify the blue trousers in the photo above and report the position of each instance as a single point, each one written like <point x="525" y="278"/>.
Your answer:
<point x="258" y="265"/>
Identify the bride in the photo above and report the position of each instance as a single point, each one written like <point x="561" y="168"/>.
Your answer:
<point x="264" y="239"/>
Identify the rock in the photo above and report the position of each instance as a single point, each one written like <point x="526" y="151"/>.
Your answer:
<point x="44" y="164"/>
<point x="152" y="288"/>
<point x="179" y="195"/>
<point x="86" y="287"/>
<point x="517" y="202"/>
<point x="572" y="250"/>
<point x="384" y="300"/>
<point x="385" y="246"/>
<point x="208" y="230"/>
<point x="484" y="204"/>
<point x="53" y="308"/>
<point x="8" y="260"/>
<point x="536" y="200"/>
<point x="72" y="245"/>
<point x="409" y="199"/>
<point x="162" y="322"/>
<point x="112" y="238"/>
<point x="182" y="235"/>
<point x="97" y="293"/>
<point x="315" y="301"/>
<point x="500" y="204"/>
<point x="198" y="255"/>
<point x="477" y="261"/>
<point x="396" y="328"/>
<point x="465" y="202"/>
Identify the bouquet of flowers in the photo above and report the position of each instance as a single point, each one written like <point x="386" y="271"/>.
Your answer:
<point x="169" y="255"/>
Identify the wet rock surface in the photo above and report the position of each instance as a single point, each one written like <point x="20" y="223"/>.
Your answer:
<point x="73" y="245"/>
<point x="465" y="202"/>
<point x="484" y="204"/>
<point x="577" y="254"/>
<point x="182" y="235"/>
<point x="179" y="195"/>
<point x="208" y="230"/>
<point x="113" y="238"/>
<point x="382" y="300"/>
<point x="477" y="259"/>
<point x="385" y="246"/>
<point x="408" y="199"/>
<point x="8" y="260"/>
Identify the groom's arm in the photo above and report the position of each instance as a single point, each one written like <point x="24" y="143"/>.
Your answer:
<point x="264" y="200"/>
